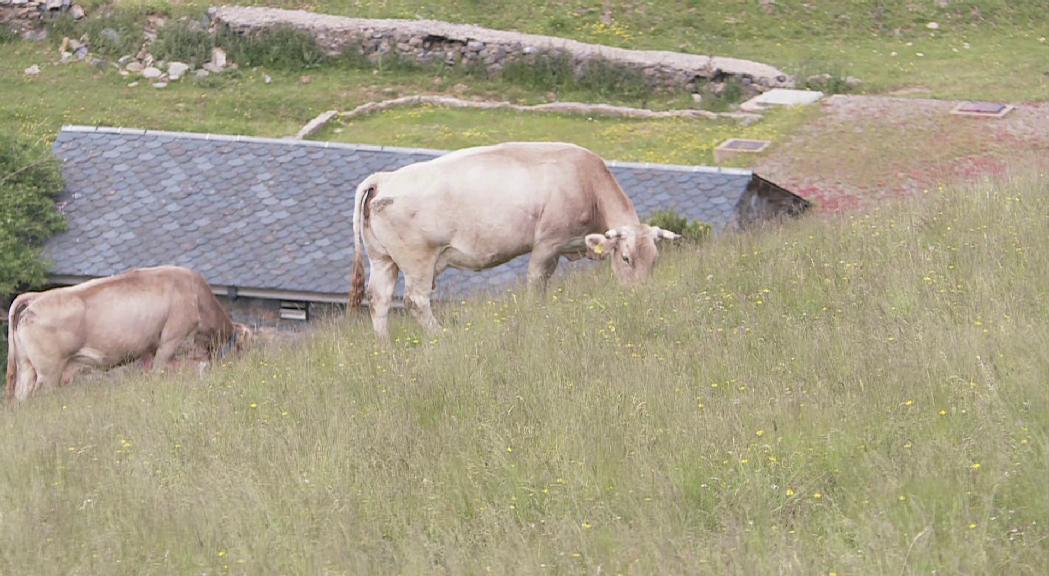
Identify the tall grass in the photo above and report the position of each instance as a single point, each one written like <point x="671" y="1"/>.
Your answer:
<point x="863" y="395"/>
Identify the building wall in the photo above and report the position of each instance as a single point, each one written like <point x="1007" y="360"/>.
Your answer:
<point x="265" y="314"/>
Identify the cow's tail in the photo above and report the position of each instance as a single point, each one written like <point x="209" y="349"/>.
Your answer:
<point x="13" y="317"/>
<point x="360" y="202"/>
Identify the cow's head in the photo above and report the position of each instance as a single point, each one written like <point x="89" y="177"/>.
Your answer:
<point x="632" y="250"/>
<point x="243" y="336"/>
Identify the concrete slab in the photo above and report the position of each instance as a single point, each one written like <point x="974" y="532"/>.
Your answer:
<point x="781" y="97"/>
<point x="982" y="109"/>
<point x="735" y="146"/>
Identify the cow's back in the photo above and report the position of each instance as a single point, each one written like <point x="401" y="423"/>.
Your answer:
<point x="466" y="197"/>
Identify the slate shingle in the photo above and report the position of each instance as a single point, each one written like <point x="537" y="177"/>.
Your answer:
<point x="277" y="214"/>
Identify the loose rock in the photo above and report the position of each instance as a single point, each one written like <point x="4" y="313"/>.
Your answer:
<point x="151" y="73"/>
<point x="176" y="70"/>
<point x="32" y="70"/>
<point x="218" y="58"/>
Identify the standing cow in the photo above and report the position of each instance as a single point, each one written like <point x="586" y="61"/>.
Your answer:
<point x="480" y="207"/>
<point x="146" y="313"/>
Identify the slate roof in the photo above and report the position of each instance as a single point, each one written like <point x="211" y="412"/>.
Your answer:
<point x="277" y="214"/>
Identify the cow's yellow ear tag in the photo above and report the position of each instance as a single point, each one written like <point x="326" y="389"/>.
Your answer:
<point x="599" y="249"/>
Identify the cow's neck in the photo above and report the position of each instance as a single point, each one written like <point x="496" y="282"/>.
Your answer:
<point x="614" y="211"/>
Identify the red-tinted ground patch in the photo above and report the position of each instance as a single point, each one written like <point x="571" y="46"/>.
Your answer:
<point x="865" y="149"/>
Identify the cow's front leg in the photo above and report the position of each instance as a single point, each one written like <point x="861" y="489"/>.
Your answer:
<point x="541" y="266"/>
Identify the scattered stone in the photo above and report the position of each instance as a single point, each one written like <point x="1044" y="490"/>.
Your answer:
<point x="133" y="84"/>
<point x="124" y="61"/>
<point x="160" y="84"/>
<point x="308" y="79"/>
<point x="933" y="25"/>
<point x="697" y="98"/>
<point x="177" y="69"/>
<point x="780" y="97"/>
<point x="266" y="78"/>
<point x="32" y="70"/>
<point x="35" y="35"/>
<point x="211" y="68"/>
<point x="151" y="73"/>
<point x="218" y="58"/>
<point x="77" y="12"/>
<point x="99" y="63"/>
<point x="110" y="35"/>
<point x="80" y="53"/>
<point x="853" y="82"/>
<point x="134" y="67"/>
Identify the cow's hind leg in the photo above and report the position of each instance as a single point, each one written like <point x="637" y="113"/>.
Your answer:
<point x="417" y="290"/>
<point x="25" y="381"/>
<point x="382" y="281"/>
<point x="48" y="375"/>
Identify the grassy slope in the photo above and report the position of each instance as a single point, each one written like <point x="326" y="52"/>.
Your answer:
<point x="1004" y="58"/>
<point x="864" y="395"/>
<point x="676" y="141"/>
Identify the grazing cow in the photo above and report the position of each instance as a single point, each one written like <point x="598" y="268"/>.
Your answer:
<point x="146" y="313"/>
<point x="480" y="207"/>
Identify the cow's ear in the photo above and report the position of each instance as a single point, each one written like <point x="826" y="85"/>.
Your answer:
<point x="661" y="234"/>
<point x="599" y="246"/>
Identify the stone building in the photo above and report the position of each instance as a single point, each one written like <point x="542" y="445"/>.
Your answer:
<point x="269" y="222"/>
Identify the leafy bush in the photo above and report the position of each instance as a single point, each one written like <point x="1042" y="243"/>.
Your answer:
<point x="545" y="71"/>
<point x="691" y="231"/>
<point x="556" y="72"/>
<point x="183" y="41"/>
<point x="116" y="34"/>
<point x="7" y="34"/>
<point x="731" y="93"/>
<point x="30" y="180"/>
<point x="829" y="78"/>
<point x="608" y="79"/>
<point x="280" y="47"/>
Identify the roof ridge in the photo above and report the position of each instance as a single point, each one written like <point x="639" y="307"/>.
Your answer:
<point x="369" y="147"/>
<point x="255" y="139"/>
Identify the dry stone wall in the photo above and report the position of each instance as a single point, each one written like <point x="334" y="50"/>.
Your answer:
<point x="26" y="17"/>
<point x="430" y="41"/>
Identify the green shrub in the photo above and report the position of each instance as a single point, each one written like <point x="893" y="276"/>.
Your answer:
<point x="691" y="231"/>
<point x="183" y="41"/>
<point x="555" y="72"/>
<point x="7" y="35"/>
<point x="281" y="47"/>
<point x="828" y="78"/>
<point x="730" y="95"/>
<point x="546" y="71"/>
<point x="117" y="34"/>
<point x="30" y="180"/>
<point x="608" y="79"/>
